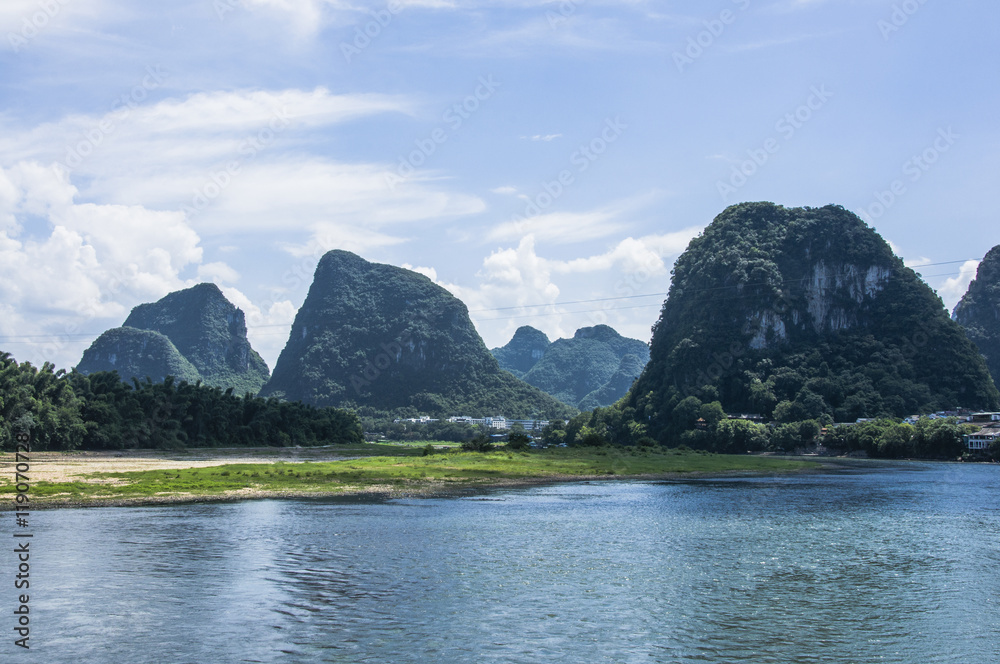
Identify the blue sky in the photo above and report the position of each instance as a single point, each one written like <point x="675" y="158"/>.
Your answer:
<point x="526" y="155"/>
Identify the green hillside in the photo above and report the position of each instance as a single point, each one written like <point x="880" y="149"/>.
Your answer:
<point x="137" y="353"/>
<point x="979" y="311"/>
<point x="574" y="369"/>
<point x="801" y="313"/>
<point x="384" y="337"/>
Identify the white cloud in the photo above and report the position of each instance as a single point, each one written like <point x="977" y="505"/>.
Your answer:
<point x="562" y="227"/>
<point x="268" y="327"/>
<point x="202" y="128"/>
<point x="351" y="238"/>
<point x="567" y="227"/>
<point x="121" y="226"/>
<point x="518" y="287"/>
<point x="27" y="19"/>
<point x="65" y="266"/>
<point x="542" y="137"/>
<point x="955" y="287"/>
<point x="644" y="254"/>
<point x="428" y="272"/>
<point x="218" y="273"/>
<point x="236" y="160"/>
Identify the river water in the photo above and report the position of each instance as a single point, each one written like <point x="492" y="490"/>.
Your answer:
<point x="891" y="562"/>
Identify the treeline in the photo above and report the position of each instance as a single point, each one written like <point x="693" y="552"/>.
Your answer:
<point x="69" y="410"/>
<point x="706" y="427"/>
<point x="410" y="431"/>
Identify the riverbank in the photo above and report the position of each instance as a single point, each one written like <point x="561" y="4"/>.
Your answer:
<point x="60" y="479"/>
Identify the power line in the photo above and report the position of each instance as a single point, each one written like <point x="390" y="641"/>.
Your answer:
<point x="555" y="304"/>
<point x="83" y="337"/>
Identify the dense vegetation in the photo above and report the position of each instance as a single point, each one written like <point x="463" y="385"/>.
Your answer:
<point x="383" y="426"/>
<point x="801" y="314"/>
<point x="979" y="311"/>
<point x="204" y="329"/>
<point x="594" y="368"/>
<point x="135" y="353"/>
<point x="523" y="351"/>
<point x="883" y="438"/>
<point x="66" y="411"/>
<point x="388" y="338"/>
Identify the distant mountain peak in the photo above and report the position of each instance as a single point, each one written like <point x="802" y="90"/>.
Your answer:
<point x="206" y="329"/>
<point x="597" y="332"/>
<point x="979" y="311"/>
<point x="803" y="313"/>
<point x="382" y="336"/>
<point x="581" y="371"/>
<point x="523" y="351"/>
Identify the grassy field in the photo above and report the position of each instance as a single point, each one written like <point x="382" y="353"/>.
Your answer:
<point x="402" y="473"/>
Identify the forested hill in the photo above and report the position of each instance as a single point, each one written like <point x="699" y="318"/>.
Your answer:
<point x="523" y="351"/>
<point x="979" y="311"/>
<point x="66" y="411"/>
<point x="192" y="334"/>
<point x="388" y="338"/>
<point x="802" y="313"/>
<point x="594" y="368"/>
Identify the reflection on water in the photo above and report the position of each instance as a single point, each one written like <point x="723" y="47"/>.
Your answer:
<point x="892" y="563"/>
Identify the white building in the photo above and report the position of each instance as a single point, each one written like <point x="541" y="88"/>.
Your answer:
<point x="981" y="440"/>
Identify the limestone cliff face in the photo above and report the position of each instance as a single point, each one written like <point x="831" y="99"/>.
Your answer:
<point x="376" y="335"/>
<point x="979" y="311"/>
<point x="833" y="296"/>
<point x="805" y="306"/>
<point x="207" y="331"/>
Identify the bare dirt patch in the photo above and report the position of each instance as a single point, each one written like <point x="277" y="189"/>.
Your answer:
<point x="76" y="466"/>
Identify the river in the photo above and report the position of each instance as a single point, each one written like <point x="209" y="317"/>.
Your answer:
<point x="875" y="562"/>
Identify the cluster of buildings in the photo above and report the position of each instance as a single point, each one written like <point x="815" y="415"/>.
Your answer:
<point x="498" y="422"/>
<point x="987" y="435"/>
<point x="982" y="439"/>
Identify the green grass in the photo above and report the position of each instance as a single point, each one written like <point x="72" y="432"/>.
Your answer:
<point x="417" y="443"/>
<point x="406" y="473"/>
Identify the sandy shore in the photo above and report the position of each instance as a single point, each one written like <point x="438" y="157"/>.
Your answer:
<point x="75" y="466"/>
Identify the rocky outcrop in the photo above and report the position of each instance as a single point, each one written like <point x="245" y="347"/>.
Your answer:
<point x="523" y="351"/>
<point x="807" y="309"/>
<point x="138" y="354"/>
<point x="979" y="311"/>
<point x="385" y="337"/>
<point x="204" y="328"/>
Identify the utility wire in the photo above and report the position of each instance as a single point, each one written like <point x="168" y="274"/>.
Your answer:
<point x="81" y="337"/>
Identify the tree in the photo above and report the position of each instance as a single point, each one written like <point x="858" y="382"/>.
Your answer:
<point x="480" y="443"/>
<point x="518" y="440"/>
